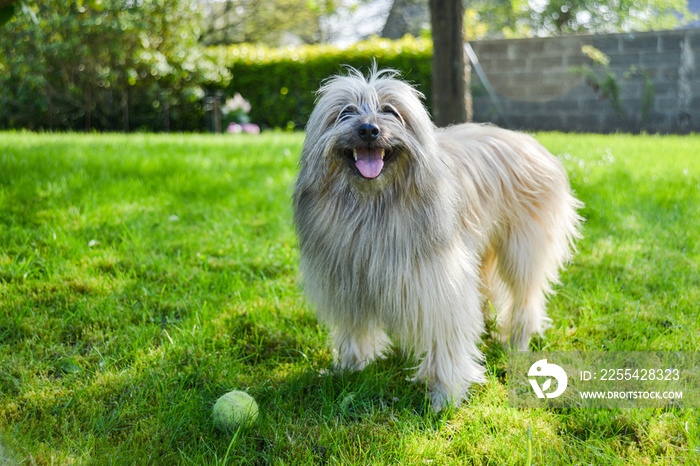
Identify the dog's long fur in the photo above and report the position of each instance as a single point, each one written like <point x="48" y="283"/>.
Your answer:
<point x="455" y="216"/>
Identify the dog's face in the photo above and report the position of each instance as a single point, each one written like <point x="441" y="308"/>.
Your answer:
<point x="367" y="133"/>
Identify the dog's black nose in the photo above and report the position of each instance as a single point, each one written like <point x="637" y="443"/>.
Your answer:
<point x="368" y="132"/>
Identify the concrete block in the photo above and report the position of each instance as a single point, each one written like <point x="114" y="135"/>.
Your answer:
<point x="640" y="42"/>
<point x="630" y="89"/>
<point x="660" y="59"/>
<point x="503" y="64"/>
<point x="670" y="74"/>
<point x="517" y="122"/>
<point x="563" y="105"/>
<point x="552" y="122"/>
<point x="491" y="47"/>
<point x="666" y="89"/>
<point x="594" y="105"/>
<point x="521" y="108"/>
<point x="606" y="43"/>
<point x="670" y="43"/>
<point x="624" y="59"/>
<point x="542" y="64"/>
<point x="632" y="106"/>
<point x="501" y="82"/>
<point x="581" y="123"/>
<point x="608" y="123"/>
<point x="539" y="91"/>
<point x="543" y="91"/>
<point x="665" y="104"/>
<point x="567" y="45"/>
<point x="578" y="60"/>
<point x="693" y="36"/>
<point x="658" y="122"/>
<point x="532" y="47"/>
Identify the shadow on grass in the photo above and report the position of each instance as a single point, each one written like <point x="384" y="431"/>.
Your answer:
<point x="382" y="389"/>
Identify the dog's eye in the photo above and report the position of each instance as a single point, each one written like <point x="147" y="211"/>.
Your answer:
<point x="347" y="112"/>
<point x="389" y="110"/>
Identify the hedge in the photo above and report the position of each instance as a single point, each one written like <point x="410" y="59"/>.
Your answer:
<point x="280" y="84"/>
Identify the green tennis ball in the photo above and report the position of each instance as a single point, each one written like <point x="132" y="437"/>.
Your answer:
<point x="234" y="409"/>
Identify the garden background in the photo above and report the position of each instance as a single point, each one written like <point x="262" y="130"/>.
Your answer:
<point x="144" y="275"/>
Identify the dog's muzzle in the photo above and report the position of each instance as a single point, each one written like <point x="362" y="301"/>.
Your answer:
<point x="368" y="132"/>
<point x="369" y="160"/>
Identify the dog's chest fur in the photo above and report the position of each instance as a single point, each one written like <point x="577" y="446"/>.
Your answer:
<point x="367" y="249"/>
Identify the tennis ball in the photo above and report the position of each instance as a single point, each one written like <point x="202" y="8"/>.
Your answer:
<point x="234" y="409"/>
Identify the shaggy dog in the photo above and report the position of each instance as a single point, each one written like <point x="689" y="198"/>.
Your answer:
<point x="405" y="229"/>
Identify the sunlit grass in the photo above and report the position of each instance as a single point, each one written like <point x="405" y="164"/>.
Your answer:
<point x="143" y="276"/>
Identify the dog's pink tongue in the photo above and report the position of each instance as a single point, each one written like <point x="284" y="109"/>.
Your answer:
<point x="369" y="162"/>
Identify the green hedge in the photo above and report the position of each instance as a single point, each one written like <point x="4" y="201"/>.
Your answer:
<point x="280" y="84"/>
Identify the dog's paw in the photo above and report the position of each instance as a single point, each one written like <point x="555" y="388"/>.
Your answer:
<point x="349" y="362"/>
<point x="440" y="400"/>
<point x="347" y="367"/>
<point x="355" y="353"/>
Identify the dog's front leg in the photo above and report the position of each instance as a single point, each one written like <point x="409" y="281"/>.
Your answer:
<point x="451" y="329"/>
<point x="357" y="347"/>
<point x="449" y="369"/>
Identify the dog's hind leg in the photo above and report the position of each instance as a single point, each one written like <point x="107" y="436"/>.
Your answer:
<point x="530" y="255"/>
<point x="525" y="267"/>
<point x="493" y="289"/>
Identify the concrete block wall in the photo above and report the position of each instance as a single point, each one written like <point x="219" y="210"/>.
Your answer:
<point x="539" y="89"/>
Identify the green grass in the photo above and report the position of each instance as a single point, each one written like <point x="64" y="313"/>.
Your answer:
<point x="143" y="276"/>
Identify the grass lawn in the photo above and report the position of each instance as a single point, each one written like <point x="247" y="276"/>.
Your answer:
<point x="143" y="276"/>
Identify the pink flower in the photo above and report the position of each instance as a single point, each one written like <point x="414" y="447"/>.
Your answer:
<point x="250" y="128"/>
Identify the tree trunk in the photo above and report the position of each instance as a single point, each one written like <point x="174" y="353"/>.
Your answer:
<point x="4" y="3"/>
<point x="217" y="113"/>
<point x="125" y="110"/>
<point x="449" y="64"/>
<point x="406" y="17"/>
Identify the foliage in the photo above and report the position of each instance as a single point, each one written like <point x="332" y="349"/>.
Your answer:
<point x="280" y="84"/>
<point x="87" y="64"/>
<point x="263" y="21"/>
<point x="607" y="84"/>
<point x="235" y="110"/>
<point x="6" y="14"/>
<point x="572" y="16"/>
<point x="521" y="18"/>
<point x="143" y="276"/>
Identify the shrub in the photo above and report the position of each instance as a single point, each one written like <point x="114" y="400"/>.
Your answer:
<point x="105" y="65"/>
<point x="281" y="83"/>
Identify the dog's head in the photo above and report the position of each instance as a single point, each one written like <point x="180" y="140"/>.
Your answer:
<point x="366" y="133"/>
